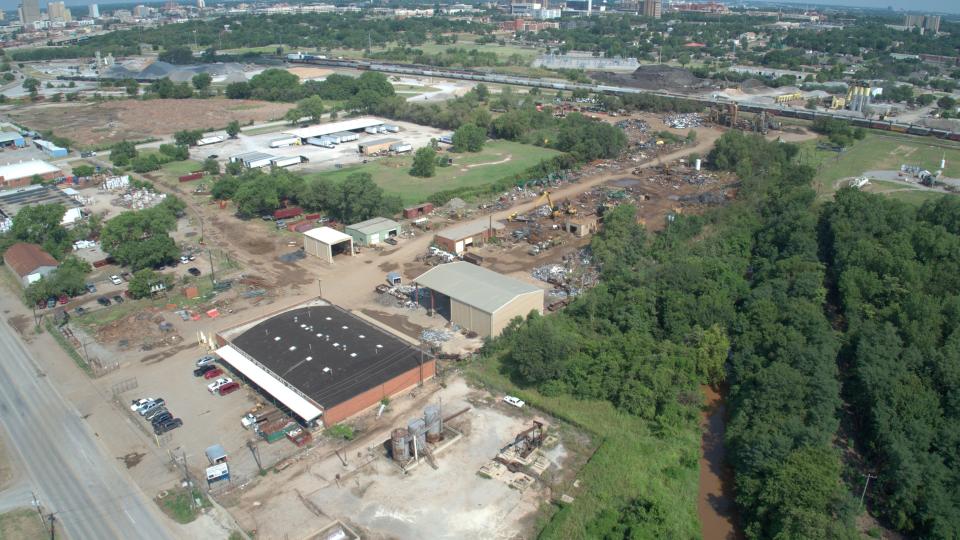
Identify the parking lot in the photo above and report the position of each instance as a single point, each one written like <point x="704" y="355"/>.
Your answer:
<point x="208" y="418"/>
<point x="319" y="158"/>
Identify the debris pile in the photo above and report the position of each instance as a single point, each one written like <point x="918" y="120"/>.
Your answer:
<point x="683" y="121"/>
<point x="139" y="199"/>
<point x="436" y="336"/>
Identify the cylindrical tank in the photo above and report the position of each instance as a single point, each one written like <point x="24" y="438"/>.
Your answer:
<point x="418" y="432"/>
<point x="399" y="444"/>
<point x="434" y="422"/>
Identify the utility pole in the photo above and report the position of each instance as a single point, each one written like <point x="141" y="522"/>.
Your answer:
<point x="36" y="504"/>
<point x="53" y="526"/>
<point x="213" y="277"/>
<point x="867" y="483"/>
<point x="252" y="445"/>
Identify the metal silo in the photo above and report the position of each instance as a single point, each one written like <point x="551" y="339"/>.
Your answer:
<point x="418" y="431"/>
<point x="400" y="444"/>
<point x="434" y="422"/>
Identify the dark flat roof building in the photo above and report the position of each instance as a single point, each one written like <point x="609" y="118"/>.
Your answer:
<point x="335" y="363"/>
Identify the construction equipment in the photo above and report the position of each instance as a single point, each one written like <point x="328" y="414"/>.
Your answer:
<point x="545" y="197"/>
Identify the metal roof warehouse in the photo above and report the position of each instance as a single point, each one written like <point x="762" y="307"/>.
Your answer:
<point x="477" y="298"/>
<point x="322" y="361"/>
<point x="335" y="127"/>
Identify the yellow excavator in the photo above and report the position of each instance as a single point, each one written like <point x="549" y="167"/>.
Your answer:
<point x="555" y="211"/>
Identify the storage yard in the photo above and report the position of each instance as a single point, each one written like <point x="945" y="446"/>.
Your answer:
<point x="317" y="372"/>
<point x="346" y="138"/>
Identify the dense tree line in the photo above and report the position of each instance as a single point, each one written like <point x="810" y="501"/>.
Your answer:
<point x="896" y="270"/>
<point x="784" y="392"/>
<point x="140" y="239"/>
<point x="280" y="85"/>
<point x="355" y="199"/>
<point x="839" y="132"/>
<point x="302" y="30"/>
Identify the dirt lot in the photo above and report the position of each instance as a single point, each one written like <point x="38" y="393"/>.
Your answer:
<point x="378" y="500"/>
<point x="96" y="124"/>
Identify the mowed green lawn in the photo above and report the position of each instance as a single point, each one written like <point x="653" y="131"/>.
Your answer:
<point x="497" y="160"/>
<point x="879" y="152"/>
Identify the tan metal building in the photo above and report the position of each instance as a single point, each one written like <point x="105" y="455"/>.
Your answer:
<point x="325" y="242"/>
<point x="374" y="147"/>
<point x="476" y="298"/>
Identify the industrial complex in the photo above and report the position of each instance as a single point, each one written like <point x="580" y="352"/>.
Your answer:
<point x="322" y="363"/>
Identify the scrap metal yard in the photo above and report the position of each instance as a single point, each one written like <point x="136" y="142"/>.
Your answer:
<point x="333" y="380"/>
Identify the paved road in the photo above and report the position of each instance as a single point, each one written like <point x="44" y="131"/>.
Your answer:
<point x="70" y="473"/>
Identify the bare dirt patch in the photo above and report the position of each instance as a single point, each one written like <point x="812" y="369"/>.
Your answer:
<point x="20" y="323"/>
<point x="112" y="121"/>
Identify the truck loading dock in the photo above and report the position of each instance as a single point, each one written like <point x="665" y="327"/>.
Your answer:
<point x="321" y="362"/>
<point x="476" y="298"/>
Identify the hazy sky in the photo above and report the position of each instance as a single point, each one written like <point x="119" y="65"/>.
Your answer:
<point x="948" y="6"/>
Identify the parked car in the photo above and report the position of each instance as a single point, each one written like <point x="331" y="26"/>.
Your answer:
<point x="115" y="279"/>
<point x="213" y="373"/>
<point x="390" y="240"/>
<point x="103" y="301"/>
<point x="229" y="388"/>
<point x="193" y="271"/>
<point x="153" y="403"/>
<point x="63" y="299"/>
<point x="515" y="401"/>
<point x="169" y="425"/>
<point x="184" y="259"/>
<point x="153" y="413"/>
<point x="215" y="385"/>
<point x="91" y="288"/>
<point x="203" y="370"/>
<point x="126" y="276"/>
<point x="118" y="299"/>
<point x="146" y="409"/>
<point x="51" y="302"/>
<point x="136" y="403"/>
<point x="80" y="310"/>
<point x="206" y="360"/>
<point x="161" y="417"/>
<point x="212" y="156"/>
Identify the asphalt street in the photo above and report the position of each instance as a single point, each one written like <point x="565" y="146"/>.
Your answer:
<point x="63" y="464"/>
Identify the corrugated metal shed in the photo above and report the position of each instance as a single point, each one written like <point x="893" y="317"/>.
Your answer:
<point x="329" y="129"/>
<point x="374" y="225"/>
<point x="474" y="285"/>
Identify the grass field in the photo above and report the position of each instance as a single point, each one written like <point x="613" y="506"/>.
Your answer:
<point x="21" y="524"/>
<point x="392" y="174"/>
<point x="880" y="152"/>
<point x="631" y="462"/>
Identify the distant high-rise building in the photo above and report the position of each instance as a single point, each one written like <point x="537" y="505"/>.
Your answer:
<point x="141" y="11"/>
<point x="201" y="4"/>
<point x="653" y="8"/>
<point x="58" y="11"/>
<point x="29" y="11"/>
<point x="927" y="22"/>
<point x="94" y="11"/>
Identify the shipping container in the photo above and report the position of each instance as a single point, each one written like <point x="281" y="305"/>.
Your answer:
<point x="285" y="141"/>
<point x="287" y="213"/>
<point x="401" y="147"/>
<point x="214" y="139"/>
<point x="372" y="130"/>
<point x="323" y="142"/>
<point x="346" y="136"/>
<point x="192" y="176"/>
<point x="286" y="161"/>
<point x="391" y="128"/>
<point x="312" y="216"/>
